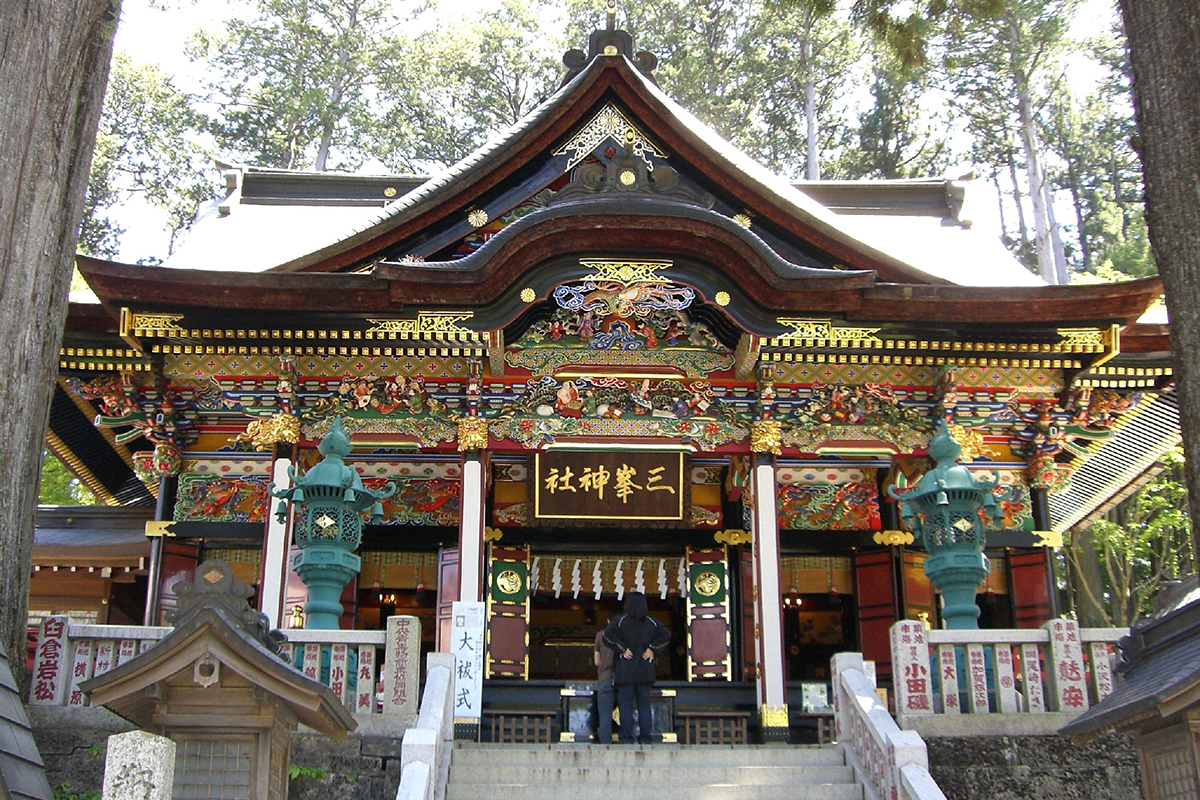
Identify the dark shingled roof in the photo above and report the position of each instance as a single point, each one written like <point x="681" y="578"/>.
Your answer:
<point x="22" y="773"/>
<point x="1160" y="660"/>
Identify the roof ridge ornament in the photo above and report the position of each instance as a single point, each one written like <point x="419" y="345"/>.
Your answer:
<point x="215" y="587"/>
<point x="609" y="41"/>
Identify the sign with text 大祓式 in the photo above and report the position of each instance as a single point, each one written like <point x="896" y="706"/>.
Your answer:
<point x="609" y="485"/>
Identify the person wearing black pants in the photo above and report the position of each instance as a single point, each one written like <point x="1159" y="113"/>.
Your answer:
<point x="634" y="637"/>
<point x="604" y="689"/>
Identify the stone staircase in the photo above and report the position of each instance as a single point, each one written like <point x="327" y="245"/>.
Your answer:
<point x="654" y="772"/>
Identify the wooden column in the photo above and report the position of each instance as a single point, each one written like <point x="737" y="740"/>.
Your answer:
<point x="273" y="578"/>
<point x="772" y="681"/>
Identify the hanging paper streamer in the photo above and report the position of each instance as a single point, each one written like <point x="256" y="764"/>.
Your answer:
<point x="682" y="580"/>
<point x="597" y="580"/>
<point x="662" y="578"/>
<point x="639" y="578"/>
<point x="556" y="581"/>
<point x="535" y="577"/>
<point x="576" y="580"/>
<point x="619" y="580"/>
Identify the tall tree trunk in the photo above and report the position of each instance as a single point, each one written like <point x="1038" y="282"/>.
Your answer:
<point x="1089" y="583"/>
<point x="1030" y="141"/>
<point x="1000" y="205"/>
<point x="1119" y="196"/>
<point x="1056" y="242"/>
<point x="1164" y="39"/>
<point x="810" y="109"/>
<point x="333" y="104"/>
<point x="324" y="145"/>
<point x="1085" y="248"/>
<point x="54" y="59"/>
<point x="1023" y="229"/>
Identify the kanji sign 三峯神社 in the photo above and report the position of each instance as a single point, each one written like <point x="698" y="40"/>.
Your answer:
<point x="617" y="485"/>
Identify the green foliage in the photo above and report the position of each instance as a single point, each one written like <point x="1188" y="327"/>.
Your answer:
<point x="145" y="148"/>
<point x="1092" y="137"/>
<point x="297" y="771"/>
<point x="1142" y="543"/>
<point x="59" y="487"/>
<point x="292" y="85"/>
<point x="63" y="792"/>
<point x="95" y="751"/>
<point x="894" y="139"/>
<point x="463" y="82"/>
<point x="751" y="70"/>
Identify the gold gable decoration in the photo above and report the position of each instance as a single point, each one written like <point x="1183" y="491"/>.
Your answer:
<point x="822" y="330"/>
<point x="609" y="123"/>
<point x="150" y="324"/>
<point x="625" y="273"/>
<point x="427" y="325"/>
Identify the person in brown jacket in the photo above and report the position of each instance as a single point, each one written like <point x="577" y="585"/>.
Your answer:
<point x="603" y="656"/>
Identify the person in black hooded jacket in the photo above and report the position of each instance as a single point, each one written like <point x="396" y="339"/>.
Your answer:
<point x="634" y="637"/>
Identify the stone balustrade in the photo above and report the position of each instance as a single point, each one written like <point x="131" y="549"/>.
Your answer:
<point x="1058" y="669"/>
<point x="373" y="672"/>
<point x="425" y="751"/>
<point x="892" y="763"/>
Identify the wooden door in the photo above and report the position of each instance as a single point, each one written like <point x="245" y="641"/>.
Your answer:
<point x="349" y="605"/>
<point x="708" y="615"/>
<point x="1029" y="588"/>
<point x="916" y="590"/>
<point x="447" y="593"/>
<point x="875" y="590"/>
<point x="179" y="562"/>
<point x="507" y="645"/>
<point x="746" y="595"/>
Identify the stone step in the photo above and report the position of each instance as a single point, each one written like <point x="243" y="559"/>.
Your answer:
<point x="650" y="772"/>
<point x="602" y="773"/>
<point x="662" y="756"/>
<point x="659" y="791"/>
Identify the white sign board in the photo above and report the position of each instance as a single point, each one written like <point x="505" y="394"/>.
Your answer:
<point x="467" y="646"/>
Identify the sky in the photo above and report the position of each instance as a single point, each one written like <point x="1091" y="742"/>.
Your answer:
<point x="148" y="33"/>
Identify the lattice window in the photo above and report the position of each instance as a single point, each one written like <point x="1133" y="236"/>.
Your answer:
<point x="516" y="727"/>
<point x="1172" y="773"/>
<point x="213" y="769"/>
<point x="713" y="729"/>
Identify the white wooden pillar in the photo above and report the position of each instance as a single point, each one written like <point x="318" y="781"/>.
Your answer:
<point x="276" y="544"/>
<point x="772" y="680"/>
<point x="470" y="527"/>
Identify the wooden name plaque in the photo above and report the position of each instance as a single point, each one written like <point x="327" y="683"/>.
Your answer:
<point x="609" y="486"/>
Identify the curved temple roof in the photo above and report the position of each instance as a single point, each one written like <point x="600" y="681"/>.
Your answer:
<point x="336" y="228"/>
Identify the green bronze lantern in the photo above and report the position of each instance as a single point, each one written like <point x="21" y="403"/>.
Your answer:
<point x="330" y="500"/>
<point x="948" y="509"/>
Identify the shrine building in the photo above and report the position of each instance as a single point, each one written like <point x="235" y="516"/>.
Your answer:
<point x="605" y="352"/>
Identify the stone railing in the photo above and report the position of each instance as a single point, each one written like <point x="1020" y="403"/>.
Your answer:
<point x="1056" y="669"/>
<point x="353" y="664"/>
<point x="892" y="764"/>
<point x="425" y="750"/>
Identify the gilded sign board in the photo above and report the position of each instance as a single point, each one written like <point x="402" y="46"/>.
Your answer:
<point x="609" y="485"/>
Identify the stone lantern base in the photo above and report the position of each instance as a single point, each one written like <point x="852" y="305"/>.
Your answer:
<point x="325" y="570"/>
<point x="957" y="574"/>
